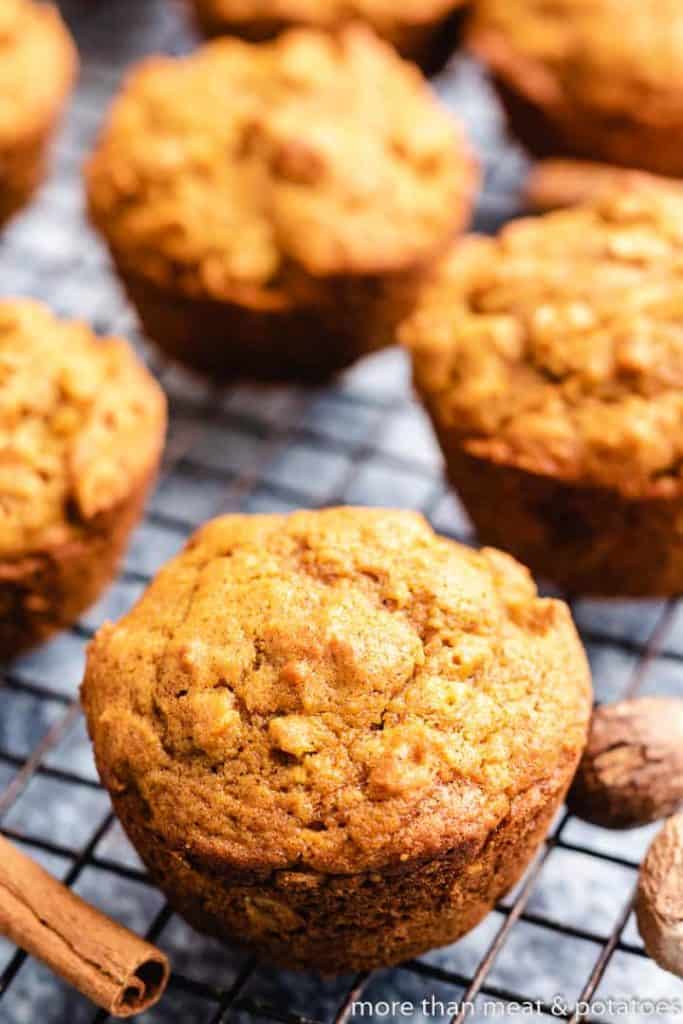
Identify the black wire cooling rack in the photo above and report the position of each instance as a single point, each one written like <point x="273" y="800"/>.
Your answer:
<point x="564" y="940"/>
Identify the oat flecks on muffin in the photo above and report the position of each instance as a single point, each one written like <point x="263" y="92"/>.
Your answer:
<point x="336" y="693"/>
<point x="558" y="347"/>
<point x="79" y="419"/>
<point x="32" y="38"/>
<point x="81" y="430"/>
<point x="273" y="208"/>
<point x="245" y="166"/>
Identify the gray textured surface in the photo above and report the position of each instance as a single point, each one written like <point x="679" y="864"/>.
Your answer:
<point x="363" y="440"/>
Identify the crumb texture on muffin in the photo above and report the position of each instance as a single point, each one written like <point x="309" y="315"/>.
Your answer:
<point x="249" y="168"/>
<point x="334" y="691"/>
<point x="557" y="347"/>
<point x="615" y="56"/>
<point x="32" y="38"/>
<point x="81" y="425"/>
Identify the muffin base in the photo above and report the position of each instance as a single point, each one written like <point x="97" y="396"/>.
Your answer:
<point x="430" y="45"/>
<point x="334" y="924"/>
<point x="307" y="343"/>
<point x="589" y="540"/>
<point x="574" y="131"/>
<point x="46" y="591"/>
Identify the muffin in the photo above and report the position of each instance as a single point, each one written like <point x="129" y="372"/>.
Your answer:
<point x="272" y="208"/>
<point x="425" y="31"/>
<point x="81" y="430"/>
<point x="600" y="79"/>
<point x="334" y="736"/>
<point x="555" y="183"/>
<point x="551" y="361"/>
<point x="33" y="38"/>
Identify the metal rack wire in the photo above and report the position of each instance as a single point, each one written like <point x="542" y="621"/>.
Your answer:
<point x="567" y="929"/>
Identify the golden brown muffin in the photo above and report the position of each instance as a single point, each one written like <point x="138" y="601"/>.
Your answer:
<point x="601" y="79"/>
<point x="335" y="736"/>
<point x="81" y="430"/>
<point x="33" y="41"/>
<point x="422" y="30"/>
<point x="551" y="360"/>
<point x="272" y="208"/>
<point x="555" y="183"/>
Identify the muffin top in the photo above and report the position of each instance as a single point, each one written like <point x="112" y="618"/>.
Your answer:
<point x="338" y="690"/>
<point x="81" y="422"/>
<point x="614" y="55"/>
<point x="244" y="165"/>
<point x="386" y="16"/>
<point x="558" y="346"/>
<point x="33" y="38"/>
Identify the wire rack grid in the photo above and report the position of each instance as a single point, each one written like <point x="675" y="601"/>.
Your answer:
<point x="566" y="934"/>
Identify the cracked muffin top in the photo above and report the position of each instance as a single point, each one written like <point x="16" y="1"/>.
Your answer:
<point x="248" y="165"/>
<point x="338" y="690"/>
<point x="81" y="421"/>
<point x="385" y="16"/>
<point x="32" y="38"/>
<point x="558" y="346"/>
<point x="614" y="55"/>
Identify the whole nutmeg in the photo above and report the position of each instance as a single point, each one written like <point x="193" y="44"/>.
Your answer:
<point x="631" y="772"/>
<point x="659" y="902"/>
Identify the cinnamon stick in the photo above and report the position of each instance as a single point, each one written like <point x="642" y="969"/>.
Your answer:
<point x="105" y="961"/>
<point x="553" y="184"/>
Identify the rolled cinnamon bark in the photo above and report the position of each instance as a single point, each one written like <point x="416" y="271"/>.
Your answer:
<point x="105" y="961"/>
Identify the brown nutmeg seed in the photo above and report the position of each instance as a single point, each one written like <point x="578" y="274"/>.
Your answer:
<point x="659" y="903"/>
<point x="632" y="770"/>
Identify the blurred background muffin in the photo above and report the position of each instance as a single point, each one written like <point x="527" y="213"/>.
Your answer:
<point x="273" y="208"/>
<point x="561" y="181"/>
<point x="425" y="31"/>
<point x="551" y="361"/>
<point x="600" y="79"/>
<point x="81" y="430"/>
<point x="38" y="64"/>
<point x="335" y="736"/>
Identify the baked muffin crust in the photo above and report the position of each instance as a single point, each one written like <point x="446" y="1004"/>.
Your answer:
<point x="32" y="38"/>
<point x="329" y="694"/>
<point x="611" y="55"/>
<point x="81" y="429"/>
<point x="244" y="167"/>
<point x="599" y="79"/>
<point x="557" y="347"/>
<point x="73" y="435"/>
